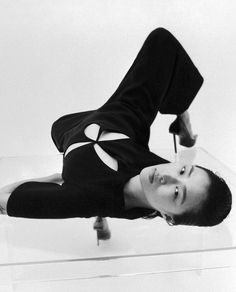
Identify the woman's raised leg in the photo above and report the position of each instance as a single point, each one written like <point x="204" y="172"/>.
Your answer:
<point x="162" y="78"/>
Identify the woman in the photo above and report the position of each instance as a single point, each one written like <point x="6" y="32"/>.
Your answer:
<point x="108" y="169"/>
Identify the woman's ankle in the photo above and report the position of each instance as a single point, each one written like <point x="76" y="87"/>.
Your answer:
<point x="185" y="116"/>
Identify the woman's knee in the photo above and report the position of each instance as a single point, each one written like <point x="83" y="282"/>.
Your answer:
<point x="161" y="35"/>
<point x="160" y="32"/>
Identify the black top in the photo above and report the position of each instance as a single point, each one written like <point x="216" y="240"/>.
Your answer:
<point x="162" y="78"/>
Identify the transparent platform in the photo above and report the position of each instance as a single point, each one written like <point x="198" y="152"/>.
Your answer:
<point x="49" y="250"/>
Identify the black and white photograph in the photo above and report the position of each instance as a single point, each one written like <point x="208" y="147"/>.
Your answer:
<point x="118" y="146"/>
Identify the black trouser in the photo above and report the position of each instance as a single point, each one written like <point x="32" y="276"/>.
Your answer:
<point x="162" y="78"/>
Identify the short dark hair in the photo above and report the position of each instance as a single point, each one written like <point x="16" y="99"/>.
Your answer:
<point x="214" y="209"/>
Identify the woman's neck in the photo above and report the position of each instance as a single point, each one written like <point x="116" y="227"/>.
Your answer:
<point x="134" y="195"/>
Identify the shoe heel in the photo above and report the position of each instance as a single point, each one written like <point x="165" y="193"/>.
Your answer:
<point x="175" y="145"/>
<point x="97" y="239"/>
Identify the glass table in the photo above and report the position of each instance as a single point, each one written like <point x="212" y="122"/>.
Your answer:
<point x="51" y="250"/>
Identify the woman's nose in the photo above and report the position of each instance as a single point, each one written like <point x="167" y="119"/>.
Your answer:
<point x="168" y="179"/>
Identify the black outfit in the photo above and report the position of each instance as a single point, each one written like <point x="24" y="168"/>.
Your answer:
<point x="162" y="78"/>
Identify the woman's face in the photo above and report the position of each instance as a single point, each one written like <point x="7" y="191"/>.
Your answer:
<point x="175" y="188"/>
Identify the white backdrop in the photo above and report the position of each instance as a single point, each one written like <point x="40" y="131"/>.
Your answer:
<point x="63" y="56"/>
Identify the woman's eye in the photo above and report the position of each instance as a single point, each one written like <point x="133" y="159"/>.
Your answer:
<point x="176" y="192"/>
<point x="182" y="170"/>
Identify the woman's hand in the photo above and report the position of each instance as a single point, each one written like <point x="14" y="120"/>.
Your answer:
<point x="4" y="196"/>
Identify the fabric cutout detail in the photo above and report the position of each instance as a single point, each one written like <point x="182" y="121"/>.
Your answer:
<point x="73" y="146"/>
<point x="106" y="158"/>
<point x="111" y="136"/>
<point x="92" y="132"/>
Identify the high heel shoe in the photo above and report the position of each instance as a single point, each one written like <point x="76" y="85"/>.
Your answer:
<point x="103" y="231"/>
<point x="178" y="127"/>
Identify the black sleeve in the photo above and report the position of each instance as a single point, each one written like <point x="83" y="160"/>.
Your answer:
<point x="49" y="200"/>
<point x="162" y="78"/>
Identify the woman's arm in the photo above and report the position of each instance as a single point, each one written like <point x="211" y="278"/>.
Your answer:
<point x="55" y="178"/>
<point x="6" y="191"/>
